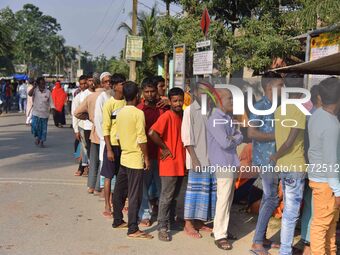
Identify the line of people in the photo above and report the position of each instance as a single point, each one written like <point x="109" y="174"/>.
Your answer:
<point x="151" y="153"/>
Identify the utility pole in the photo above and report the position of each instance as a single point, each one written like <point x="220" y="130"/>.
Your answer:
<point x="166" y="56"/>
<point x="132" y="75"/>
<point x="79" y="54"/>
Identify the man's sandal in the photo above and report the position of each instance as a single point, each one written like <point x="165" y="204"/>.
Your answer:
<point x="164" y="236"/>
<point x="223" y="244"/>
<point x="140" y="235"/>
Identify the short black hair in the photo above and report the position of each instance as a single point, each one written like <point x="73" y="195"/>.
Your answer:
<point x="148" y="82"/>
<point x="175" y="92"/>
<point x="268" y="77"/>
<point x="89" y="75"/>
<point x="294" y="80"/>
<point x="117" y="78"/>
<point x="314" y="93"/>
<point x="157" y="79"/>
<point x="130" y="90"/>
<point x="82" y="77"/>
<point x="39" y="79"/>
<point x="329" y="90"/>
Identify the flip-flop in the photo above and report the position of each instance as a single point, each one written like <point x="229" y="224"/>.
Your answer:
<point x="140" y="235"/>
<point x="259" y="251"/>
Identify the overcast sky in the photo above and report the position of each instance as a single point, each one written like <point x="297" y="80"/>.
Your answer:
<point x="89" y="23"/>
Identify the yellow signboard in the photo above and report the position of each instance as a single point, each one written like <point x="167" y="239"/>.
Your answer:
<point x="325" y="40"/>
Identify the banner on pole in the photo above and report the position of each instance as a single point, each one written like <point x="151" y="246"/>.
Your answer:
<point x="134" y="48"/>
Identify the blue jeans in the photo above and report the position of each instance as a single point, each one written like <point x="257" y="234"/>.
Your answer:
<point x="149" y="176"/>
<point x="292" y="188"/>
<point x="269" y="202"/>
<point x="22" y="104"/>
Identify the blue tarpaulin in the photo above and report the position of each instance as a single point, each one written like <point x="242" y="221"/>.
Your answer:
<point x="20" y="76"/>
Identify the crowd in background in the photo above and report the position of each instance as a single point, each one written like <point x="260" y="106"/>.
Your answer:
<point x="146" y="153"/>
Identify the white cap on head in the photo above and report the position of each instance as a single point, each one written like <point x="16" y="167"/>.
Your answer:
<point x="103" y="75"/>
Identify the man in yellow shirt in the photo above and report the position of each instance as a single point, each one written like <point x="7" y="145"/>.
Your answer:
<point x="134" y="160"/>
<point x="290" y="160"/>
<point x="112" y="152"/>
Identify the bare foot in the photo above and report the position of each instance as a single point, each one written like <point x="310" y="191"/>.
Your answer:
<point x="190" y="230"/>
<point x="307" y="250"/>
<point x="107" y="214"/>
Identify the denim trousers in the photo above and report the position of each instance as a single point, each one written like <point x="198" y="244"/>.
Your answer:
<point x="292" y="187"/>
<point x="269" y="203"/>
<point x="22" y="104"/>
<point x="149" y="176"/>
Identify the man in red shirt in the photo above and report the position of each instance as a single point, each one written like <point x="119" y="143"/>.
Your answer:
<point x="151" y="113"/>
<point x="166" y="133"/>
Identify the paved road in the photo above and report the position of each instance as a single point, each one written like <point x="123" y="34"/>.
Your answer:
<point x="46" y="210"/>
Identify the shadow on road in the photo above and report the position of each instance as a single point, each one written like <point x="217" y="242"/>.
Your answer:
<point x="19" y="153"/>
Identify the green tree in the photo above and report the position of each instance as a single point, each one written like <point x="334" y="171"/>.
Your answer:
<point x="7" y="36"/>
<point x="35" y="33"/>
<point x="313" y="14"/>
<point x="118" y="66"/>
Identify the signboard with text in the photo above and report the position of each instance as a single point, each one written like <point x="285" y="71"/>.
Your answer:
<point x="179" y="65"/>
<point x="203" y="44"/>
<point x="203" y="62"/>
<point x="134" y="48"/>
<point x="321" y="46"/>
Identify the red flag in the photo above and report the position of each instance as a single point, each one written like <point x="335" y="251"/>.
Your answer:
<point x="205" y="22"/>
